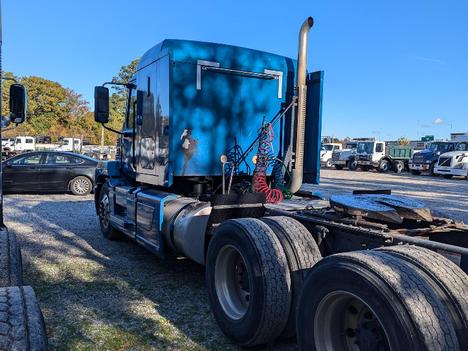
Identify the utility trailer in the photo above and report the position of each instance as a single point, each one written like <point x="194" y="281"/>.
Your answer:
<point x="214" y="145"/>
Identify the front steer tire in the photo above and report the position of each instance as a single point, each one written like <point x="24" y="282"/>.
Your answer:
<point x="446" y="277"/>
<point x="248" y="281"/>
<point x="11" y="267"/>
<point x="352" y="164"/>
<point x="21" y="322"/>
<point x="103" y="206"/>
<point x="375" y="300"/>
<point x="302" y="253"/>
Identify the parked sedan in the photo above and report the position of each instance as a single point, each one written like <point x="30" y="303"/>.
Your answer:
<point x="49" y="171"/>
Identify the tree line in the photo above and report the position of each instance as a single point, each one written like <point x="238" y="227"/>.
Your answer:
<point x="57" y="111"/>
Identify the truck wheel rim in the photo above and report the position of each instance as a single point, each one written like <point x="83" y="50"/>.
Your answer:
<point x="232" y="282"/>
<point x="343" y="321"/>
<point x="81" y="186"/>
<point x="104" y="210"/>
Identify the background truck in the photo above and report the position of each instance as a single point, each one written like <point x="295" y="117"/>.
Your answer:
<point x="326" y="152"/>
<point x="21" y="322"/>
<point x="345" y="158"/>
<point x="378" y="155"/>
<point x="8" y="143"/>
<point x="69" y="144"/>
<point x="454" y="163"/>
<point x="425" y="160"/>
<point x="216" y="138"/>
<point x="24" y="144"/>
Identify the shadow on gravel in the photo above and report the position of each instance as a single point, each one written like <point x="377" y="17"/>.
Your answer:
<point x="113" y="295"/>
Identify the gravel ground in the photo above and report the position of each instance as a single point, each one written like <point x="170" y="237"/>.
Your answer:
<point x="101" y="295"/>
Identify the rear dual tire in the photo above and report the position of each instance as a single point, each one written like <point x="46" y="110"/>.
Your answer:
<point x="384" y="166"/>
<point x="374" y="300"/>
<point x="248" y="281"/>
<point x="302" y="253"/>
<point x="450" y="282"/>
<point x="276" y="254"/>
<point x="398" y="166"/>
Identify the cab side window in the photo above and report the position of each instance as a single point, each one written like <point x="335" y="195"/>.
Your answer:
<point x="379" y="147"/>
<point x="131" y="111"/>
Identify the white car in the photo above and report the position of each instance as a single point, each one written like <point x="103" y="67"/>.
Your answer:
<point x="454" y="163"/>
<point x="326" y="152"/>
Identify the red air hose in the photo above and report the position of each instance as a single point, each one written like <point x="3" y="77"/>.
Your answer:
<point x="259" y="181"/>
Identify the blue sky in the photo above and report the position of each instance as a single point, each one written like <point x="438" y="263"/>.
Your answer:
<point x="394" y="68"/>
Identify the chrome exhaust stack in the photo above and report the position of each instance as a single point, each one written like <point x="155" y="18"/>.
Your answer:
<point x="301" y="96"/>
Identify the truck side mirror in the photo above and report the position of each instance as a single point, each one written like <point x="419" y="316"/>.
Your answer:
<point x="139" y="107"/>
<point x="18" y="103"/>
<point x="101" y="104"/>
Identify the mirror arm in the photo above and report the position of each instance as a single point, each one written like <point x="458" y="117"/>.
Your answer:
<point x="127" y="85"/>
<point x="112" y="130"/>
<point x="10" y="78"/>
<point x="9" y="128"/>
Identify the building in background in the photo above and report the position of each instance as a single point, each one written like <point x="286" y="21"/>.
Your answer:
<point x="459" y="136"/>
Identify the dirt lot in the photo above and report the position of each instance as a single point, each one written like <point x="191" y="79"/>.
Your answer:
<point x="101" y="295"/>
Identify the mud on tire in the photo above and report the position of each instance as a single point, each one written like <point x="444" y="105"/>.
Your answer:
<point x="21" y="322"/>
<point x="248" y="281"/>
<point x="371" y="298"/>
<point x="302" y="253"/>
<point x="11" y="268"/>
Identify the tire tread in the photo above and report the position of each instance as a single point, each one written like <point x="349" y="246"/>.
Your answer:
<point x="302" y="254"/>
<point x="11" y="273"/>
<point x="427" y="311"/>
<point x="444" y="273"/>
<point x="21" y="322"/>
<point x="276" y="279"/>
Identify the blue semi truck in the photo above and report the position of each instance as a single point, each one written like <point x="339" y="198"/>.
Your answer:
<point x="216" y="144"/>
